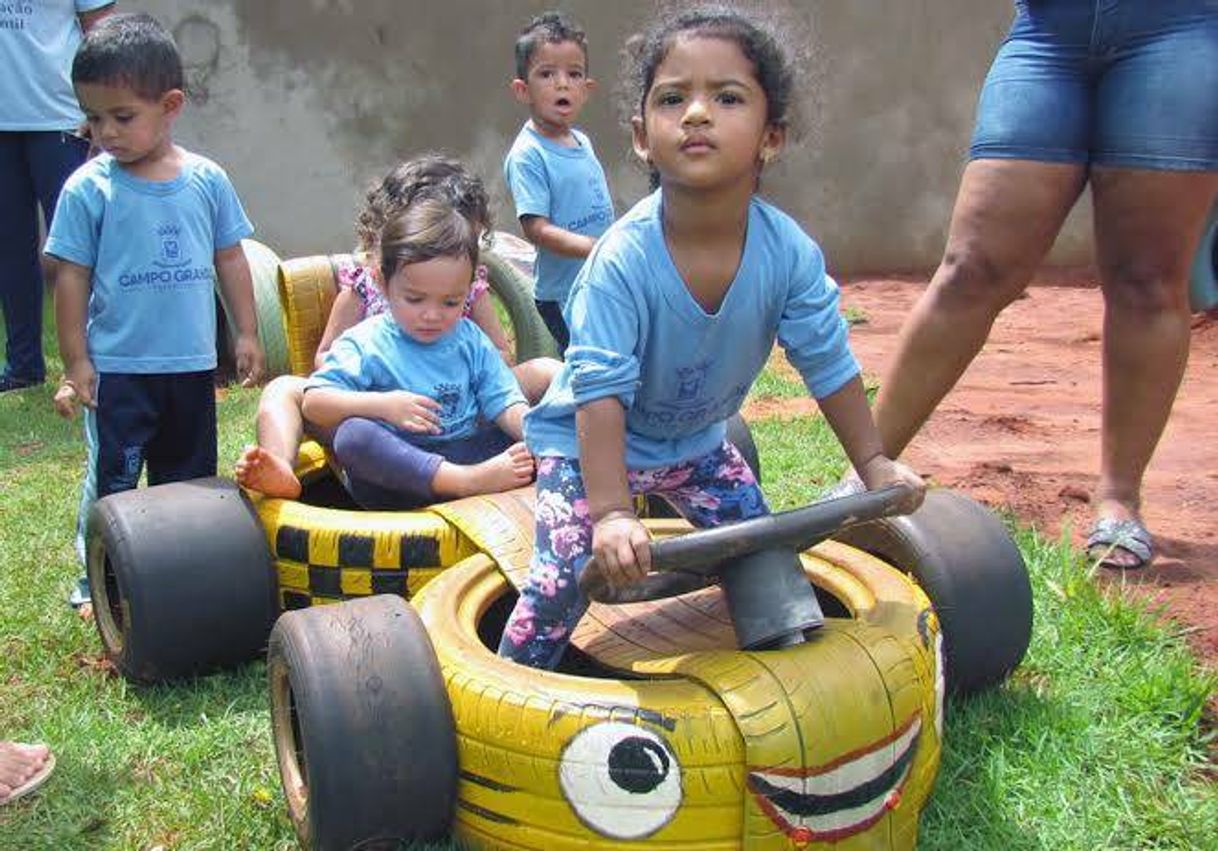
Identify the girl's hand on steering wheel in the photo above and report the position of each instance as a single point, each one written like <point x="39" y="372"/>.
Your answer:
<point x="881" y="471"/>
<point x="622" y="546"/>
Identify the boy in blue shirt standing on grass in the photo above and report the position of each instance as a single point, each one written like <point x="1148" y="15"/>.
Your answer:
<point x="557" y="184"/>
<point x="142" y="233"/>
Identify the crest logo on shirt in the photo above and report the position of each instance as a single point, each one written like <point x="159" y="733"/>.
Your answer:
<point x="449" y="397"/>
<point x="690" y="380"/>
<point x="171" y="246"/>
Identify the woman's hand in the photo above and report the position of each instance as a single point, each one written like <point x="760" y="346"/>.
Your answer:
<point x="411" y="412"/>
<point x="622" y="546"/>
<point x="881" y="471"/>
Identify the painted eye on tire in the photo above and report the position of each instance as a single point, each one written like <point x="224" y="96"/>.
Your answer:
<point x="622" y="780"/>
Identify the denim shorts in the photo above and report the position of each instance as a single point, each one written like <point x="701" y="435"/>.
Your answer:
<point x="1118" y="83"/>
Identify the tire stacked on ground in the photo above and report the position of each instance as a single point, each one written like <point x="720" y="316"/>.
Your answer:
<point x="272" y="335"/>
<point x="363" y="729"/>
<point x="307" y="287"/>
<point x="963" y="558"/>
<point x="181" y="579"/>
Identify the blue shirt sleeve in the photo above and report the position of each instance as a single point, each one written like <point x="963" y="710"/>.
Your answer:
<point x="232" y="225"/>
<point x="75" y="227"/>
<point x="812" y="330"/>
<point x="606" y="331"/>
<point x="526" y="178"/>
<point x="345" y="367"/>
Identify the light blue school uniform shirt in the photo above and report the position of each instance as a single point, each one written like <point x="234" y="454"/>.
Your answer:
<point x="151" y="246"/>
<point x="462" y="370"/>
<point x="639" y="336"/>
<point x="38" y="40"/>
<point x="566" y="186"/>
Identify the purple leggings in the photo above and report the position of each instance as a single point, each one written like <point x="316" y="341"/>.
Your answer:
<point x="383" y="470"/>
<point x="711" y="490"/>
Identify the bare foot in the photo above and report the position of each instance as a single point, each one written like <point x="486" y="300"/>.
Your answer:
<point x="261" y="471"/>
<point x="18" y="764"/>
<point x="511" y="468"/>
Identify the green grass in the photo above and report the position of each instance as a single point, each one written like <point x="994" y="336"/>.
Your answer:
<point x="1096" y="742"/>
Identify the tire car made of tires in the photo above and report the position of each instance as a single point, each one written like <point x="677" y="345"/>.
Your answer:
<point x="975" y="578"/>
<point x="363" y="730"/>
<point x="181" y="578"/>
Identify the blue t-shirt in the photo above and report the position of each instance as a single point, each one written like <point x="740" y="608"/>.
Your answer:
<point x="566" y="186"/>
<point x="38" y="40"/>
<point x="638" y="335"/>
<point x="151" y="246"/>
<point x="462" y="370"/>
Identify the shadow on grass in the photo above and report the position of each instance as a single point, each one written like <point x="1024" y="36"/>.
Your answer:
<point x="203" y="700"/>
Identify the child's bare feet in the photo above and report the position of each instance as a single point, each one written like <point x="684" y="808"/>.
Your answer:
<point x="511" y="468"/>
<point x="266" y="473"/>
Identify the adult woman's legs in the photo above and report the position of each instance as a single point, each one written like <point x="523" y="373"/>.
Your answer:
<point x="1007" y="214"/>
<point x="1147" y="225"/>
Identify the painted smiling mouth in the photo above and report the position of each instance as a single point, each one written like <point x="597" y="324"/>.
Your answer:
<point x="843" y="798"/>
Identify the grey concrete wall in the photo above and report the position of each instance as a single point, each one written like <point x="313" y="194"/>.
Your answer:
<point x="307" y="101"/>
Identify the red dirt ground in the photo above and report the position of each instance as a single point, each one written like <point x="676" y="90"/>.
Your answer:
<point x="1021" y="430"/>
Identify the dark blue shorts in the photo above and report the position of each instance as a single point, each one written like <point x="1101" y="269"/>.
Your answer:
<point x="1118" y="83"/>
<point x="164" y="421"/>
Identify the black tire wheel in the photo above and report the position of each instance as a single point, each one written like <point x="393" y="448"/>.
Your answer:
<point x="181" y="578"/>
<point x="364" y="733"/>
<point x="738" y="433"/>
<point x="514" y="292"/>
<point x="657" y="507"/>
<point x="963" y="558"/>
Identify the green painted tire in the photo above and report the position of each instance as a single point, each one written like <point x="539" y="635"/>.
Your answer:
<point x="515" y="293"/>
<point x="264" y="272"/>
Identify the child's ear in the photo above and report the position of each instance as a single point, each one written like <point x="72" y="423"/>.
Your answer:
<point x="590" y="85"/>
<point x="173" y="101"/>
<point x="520" y="90"/>
<point x="638" y="138"/>
<point x="771" y="143"/>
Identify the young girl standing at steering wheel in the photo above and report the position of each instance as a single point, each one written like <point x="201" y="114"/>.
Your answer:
<point x="673" y="317"/>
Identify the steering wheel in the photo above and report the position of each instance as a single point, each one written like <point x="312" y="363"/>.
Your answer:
<point x="694" y="560"/>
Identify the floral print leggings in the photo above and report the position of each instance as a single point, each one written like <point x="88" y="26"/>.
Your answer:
<point x="711" y="490"/>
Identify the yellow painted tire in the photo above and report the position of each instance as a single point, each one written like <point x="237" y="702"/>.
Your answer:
<point x="689" y="751"/>
<point x="308" y="285"/>
<point x="326" y="555"/>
